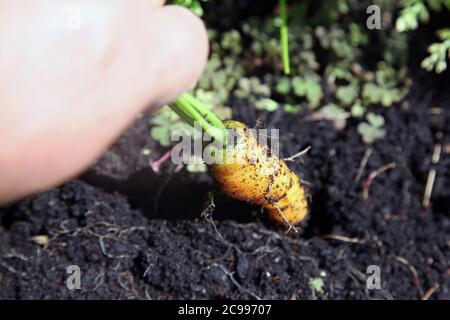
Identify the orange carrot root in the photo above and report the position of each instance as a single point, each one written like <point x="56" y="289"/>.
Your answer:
<point x="260" y="178"/>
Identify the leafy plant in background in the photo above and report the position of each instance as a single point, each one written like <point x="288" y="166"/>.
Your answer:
<point x="316" y="285"/>
<point x="194" y="5"/>
<point x="256" y="93"/>
<point x="439" y="52"/>
<point x="329" y="69"/>
<point x="344" y="82"/>
<point x="415" y="12"/>
<point x="163" y="124"/>
<point x="372" y="129"/>
<point x="384" y="88"/>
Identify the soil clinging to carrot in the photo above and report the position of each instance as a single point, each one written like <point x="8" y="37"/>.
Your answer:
<point x="136" y="234"/>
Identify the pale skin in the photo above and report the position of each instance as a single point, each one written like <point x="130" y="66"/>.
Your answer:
<point x="70" y="84"/>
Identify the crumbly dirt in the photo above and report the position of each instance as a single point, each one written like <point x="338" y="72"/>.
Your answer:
<point x="136" y="234"/>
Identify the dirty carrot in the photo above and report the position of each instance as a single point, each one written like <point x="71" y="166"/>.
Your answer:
<point x="249" y="171"/>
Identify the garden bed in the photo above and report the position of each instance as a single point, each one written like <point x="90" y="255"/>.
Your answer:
<point x="137" y="234"/>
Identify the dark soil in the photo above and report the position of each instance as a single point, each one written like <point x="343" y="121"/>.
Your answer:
<point x="136" y="234"/>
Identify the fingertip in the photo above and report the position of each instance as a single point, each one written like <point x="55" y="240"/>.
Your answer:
<point x="157" y="3"/>
<point x="185" y="50"/>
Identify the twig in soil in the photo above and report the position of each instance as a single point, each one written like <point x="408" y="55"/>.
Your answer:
<point x="13" y="253"/>
<point x="366" y="185"/>
<point x="431" y="176"/>
<point x="430" y="291"/>
<point x="265" y="250"/>
<point x="436" y="111"/>
<point x="287" y="223"/>
<point x="413" y="272"/>
<point x="207" y="215"/>
<point x="41" y="240"/>
<point x="157" y="164"/>
<point x="123" y="276"/>
<point x="357" y="276"/>
<point x="99" y="280"/>
<point x="298" y="155"/>
<point x="341" y="238"/>
<point x="258" y="124"/>
<point x="8" y="267"/>
<point x="363" y="165"/>
<point x="147" y="295"/>
<point x="305" y="258"/>
<point x="235" y="282"/>
<point x="429" y="188"/>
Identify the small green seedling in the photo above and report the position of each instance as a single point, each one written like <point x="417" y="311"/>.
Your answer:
<point x="284" y="34"/>
<point x="411" y="16"/>
<point x="384" y="89"/>
<point x="372" y="130"/>
<point x="164" y="124"/>
<point x="316" y="285"/>
<point x="439" y="52"/>
<point x="256" y="93"/>
<point x="193" y="5"/>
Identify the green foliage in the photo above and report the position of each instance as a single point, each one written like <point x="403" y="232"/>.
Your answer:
<point x="414" y="12"/>
<point x="357" y="35"/>
<point x="384" y="89"/>
<point x="223" y="70"/>
<point x="372" y="130"/>
<point x="342" y="84"/>
<point x="256" y="93"/>
<point x="163" y="124"/>
<point x="331" y="112"/>
<point x="309" y="87"/>
<point x="263" y="43"/>
<point x="193" y="5"/>
<point x="316" y="284"/>
<point x="439" y="52"/>
<point x="146" y="151"/>
<point x="284" y="35"/>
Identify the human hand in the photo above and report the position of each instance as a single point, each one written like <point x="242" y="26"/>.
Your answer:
<point x="75" y="73"/>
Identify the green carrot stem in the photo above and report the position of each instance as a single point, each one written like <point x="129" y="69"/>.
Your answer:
<point x="284" y="33"/>
<point x="203" y="110"/>
<point x="191" y="110"/>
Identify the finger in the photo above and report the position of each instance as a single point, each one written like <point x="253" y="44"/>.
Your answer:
<point x="117" y="65"/>
<point x="156" y="3"/>
<point x="183" y="51"/>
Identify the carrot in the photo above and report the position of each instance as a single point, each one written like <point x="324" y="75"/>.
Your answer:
<point x="248" y="172"/>
<point x="260" y="178"/>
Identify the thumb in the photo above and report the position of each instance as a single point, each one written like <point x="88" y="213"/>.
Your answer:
<point x="66" y="90"/>
<point x="184" y="43"/>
